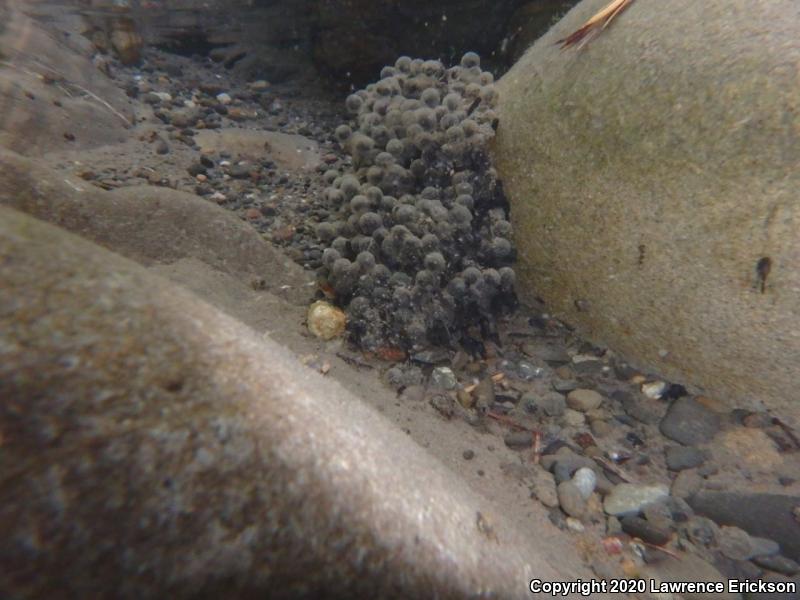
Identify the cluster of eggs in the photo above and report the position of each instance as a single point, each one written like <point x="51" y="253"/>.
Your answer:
<point x="419" y="248"/>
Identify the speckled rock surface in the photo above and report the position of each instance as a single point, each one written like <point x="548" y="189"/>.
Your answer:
<point x="653" y="181"/>
<point x="154" y="446"/>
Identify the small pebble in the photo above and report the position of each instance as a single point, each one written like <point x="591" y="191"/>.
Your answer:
<point x="571" y="500"/>
<point x="601" y="428"/>
<point x="584" y="400"/>
<point x="689" y="422"/>
<point x="552" y="404"/>
<point x="573" y="418"/>
<point x="544" y="487"/>
<point x="777" y="563"/>
<point x="684" y="457"/>
<point x="468" y="454"/>
<point x="702" y="531"/>
<point x="686" y="484"/>
<point x="654" y="389"/>
<point x="736" y="544"/>
<point x="585" y="480"/>
<point x="575" y="525"/>
<point x="629" y="498"/>
<point x="444" y="378"/>
<point x="518" y="440"/>
<point x="564" y="385"/>
<point x="644" y="530"/>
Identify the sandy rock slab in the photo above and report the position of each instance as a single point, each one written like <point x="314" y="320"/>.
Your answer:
<point x="154" y="226"/>
<point x="154" y="446"/>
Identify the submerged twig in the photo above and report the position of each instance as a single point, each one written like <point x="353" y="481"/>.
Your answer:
<point x="595" y="25"/>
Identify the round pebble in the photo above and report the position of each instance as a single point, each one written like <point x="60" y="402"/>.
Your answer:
<point x="584" y="400"/>
<point x="571" y="500"/>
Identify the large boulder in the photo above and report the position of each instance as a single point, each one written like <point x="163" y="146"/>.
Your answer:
<point x="155" y="447"/>
<point x="53" y="96"/>
<point x="655" y="188"/>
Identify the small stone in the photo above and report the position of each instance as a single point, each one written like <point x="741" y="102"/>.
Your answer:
<point x="613" y="526"/>
<point x="585" y="480"/>
<point x="468" y="454"/>
<point x="643" y="410"/>
<point x="258" y="85"/>
<point x="575" y="525"/>
<point x="571" y="500"/>
<point x="686" y="484"/>
<point x="629" y="498"/>
<point x="544" y="487"/>
<point x="737" y="544"/>
<point x="764" y="546"/>
<point x="518" y="440"/>
<point x="623" y="370"/>
<point x="702" y="531"/>
<point x="528" y="371"/>
<point x="484" y="394"/>
<point x="252" y="214"/>
<point x="224" y="98"/>
<point x="689" y="422"/>
<point x="565" y="373"/>
<point x="564" y="384"/>
<point x="552" y="404"/>
<point x="684" y="457"/>
<point x="601" y="428"/>
<point x="444" y="405"/>
<point x="777" y="563"/>
<point x="644" y="530"/>
<point x="240" y="170"/>
<point x="162" y="147"/>
<point x="444" y="378"/>
<point x="325" y="320"/>
<point x="573" y="418"/>
<point x="196" y="169"/>
<point x="161" y="96"/>
<point x="554" y="356"/>
<point x="654" y="389"/>
<point x="466" y="399"/>
<point x="584" y="400"/>
<point x="658" y="514"/>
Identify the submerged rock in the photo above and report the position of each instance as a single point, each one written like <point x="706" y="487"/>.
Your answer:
<point x="153" y="446"/>
<point x="653" y="181"/>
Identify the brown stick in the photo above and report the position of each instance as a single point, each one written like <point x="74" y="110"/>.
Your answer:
<point x="597" y="23"/>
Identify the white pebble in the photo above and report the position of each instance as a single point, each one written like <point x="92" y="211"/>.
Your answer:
<point x="654" y="389"/>
<point x="585" y="480"/>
